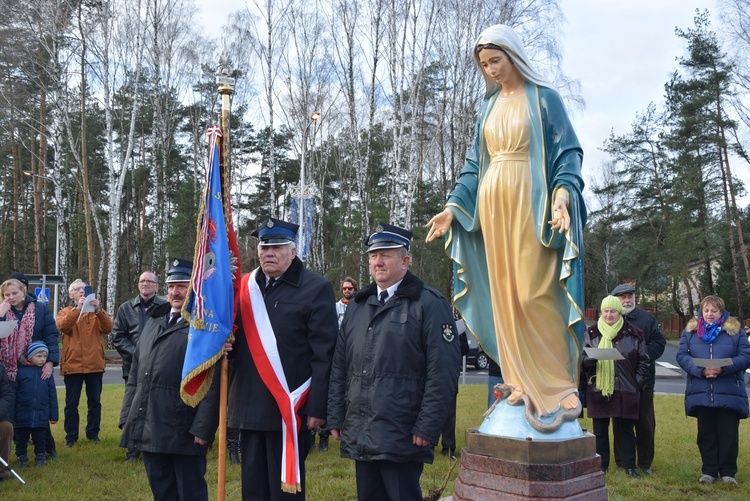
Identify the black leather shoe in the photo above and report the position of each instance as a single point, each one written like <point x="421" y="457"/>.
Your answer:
<point x="70" y="443"/>
<point x="453" y="454"/>
<point x="633" y="474"/>
<point x="234" y="458"/>
<point x="53" y="454"/>
<point x="323" y="446"/>
<point x="646" y="471"/>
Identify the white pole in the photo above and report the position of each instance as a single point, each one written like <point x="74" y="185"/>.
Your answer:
<point x="57" y="264"/>
<point x="301" y="199"/>
<point x="313" y="118"/>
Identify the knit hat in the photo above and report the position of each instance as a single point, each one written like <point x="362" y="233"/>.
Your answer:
<point x="35" y="347"/>
<point x="612" y="303"/>
<point x="21" y="277"/>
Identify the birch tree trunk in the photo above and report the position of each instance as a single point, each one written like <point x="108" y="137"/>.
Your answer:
<point x="84" y="154"/>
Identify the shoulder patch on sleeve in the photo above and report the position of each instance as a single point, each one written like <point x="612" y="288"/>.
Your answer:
<point x="448" y="335"/>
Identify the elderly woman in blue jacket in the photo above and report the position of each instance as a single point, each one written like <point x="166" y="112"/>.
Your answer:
<point x="715" y="395"/>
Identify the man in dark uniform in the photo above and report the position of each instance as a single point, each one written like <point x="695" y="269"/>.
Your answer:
<point x="282" y="362"/>
<point x="129" y="321"/>
<point x="645" y="427"/>
<point x="173" y="437"/>
<point x="395" y="373"/>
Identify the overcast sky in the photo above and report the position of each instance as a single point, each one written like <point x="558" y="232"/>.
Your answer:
<point x="622" y="53"/>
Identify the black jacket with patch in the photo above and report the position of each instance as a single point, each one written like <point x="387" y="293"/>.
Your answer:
<point x="395" y="373"/>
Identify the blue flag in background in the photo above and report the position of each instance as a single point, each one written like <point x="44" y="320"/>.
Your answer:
<point x="211" y="298"/>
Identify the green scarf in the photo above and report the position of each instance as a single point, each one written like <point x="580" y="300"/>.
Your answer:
<point x="605" y="369"/>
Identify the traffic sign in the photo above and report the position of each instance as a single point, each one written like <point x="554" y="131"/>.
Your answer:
<point x="47" y="279"/>
<point x="42" y="295"/>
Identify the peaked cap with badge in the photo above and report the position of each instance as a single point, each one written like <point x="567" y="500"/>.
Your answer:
<point x="180" y="271"/>
<point x="275" y="232"/>
<point x="388" y="236"/>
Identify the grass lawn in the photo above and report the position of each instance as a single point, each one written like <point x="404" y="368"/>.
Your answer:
<point x="98" y="471"/>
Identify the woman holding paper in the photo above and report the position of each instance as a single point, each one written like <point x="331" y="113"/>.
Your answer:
<point x="614" y="386"/>
<point x="715" y="358"/>
<point x="30" y="320"/>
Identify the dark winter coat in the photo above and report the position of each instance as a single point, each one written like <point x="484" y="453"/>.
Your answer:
<point x="45" y="329"/>
<point x="652" y="335"/>
<point x="129" y="322"/>
<point x="302" y="311"/>
<point x="631" y="374"/>
<point x="395" y="373"/>
<point x="7" y="396"/>
<point x="36" y="398"/>
<point x="154" y="417"/>
<point x="726" y="391"/>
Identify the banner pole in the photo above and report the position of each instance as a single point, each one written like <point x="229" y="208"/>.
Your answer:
<point x="225" y="80"/>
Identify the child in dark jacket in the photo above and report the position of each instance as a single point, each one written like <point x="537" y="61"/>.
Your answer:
<point x="36" y="404"/>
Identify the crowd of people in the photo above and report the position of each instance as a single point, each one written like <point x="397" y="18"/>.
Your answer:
<point x="301" y="355"/>
<point x="378" y="370"/>
<point x="297" y="355"/>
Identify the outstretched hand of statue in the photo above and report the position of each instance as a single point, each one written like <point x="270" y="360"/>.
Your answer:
<point x="560" y="215"/>
<point x="439" y="225"/>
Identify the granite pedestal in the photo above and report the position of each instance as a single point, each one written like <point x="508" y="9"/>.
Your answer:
<point x="498" y="468"/>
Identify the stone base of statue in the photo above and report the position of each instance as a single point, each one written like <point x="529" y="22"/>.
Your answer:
<point x="512" y="468"/>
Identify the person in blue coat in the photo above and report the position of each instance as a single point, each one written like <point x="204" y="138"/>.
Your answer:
<point x="715" y="395"/>
<point x="36" y="405"/>
<point x="39" y="325"/>
<point x="35" y="322"/>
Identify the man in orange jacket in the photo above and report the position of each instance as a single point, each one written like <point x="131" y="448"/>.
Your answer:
<point x="83" y="337"/>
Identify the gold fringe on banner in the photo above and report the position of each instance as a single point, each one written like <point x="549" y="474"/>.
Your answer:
<point x="209" y="366"/>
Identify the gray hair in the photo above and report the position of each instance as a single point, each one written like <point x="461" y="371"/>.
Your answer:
<point x="73" y="283"/>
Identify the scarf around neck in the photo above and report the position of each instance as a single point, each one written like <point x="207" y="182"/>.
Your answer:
<point x="709" y="332"/>
<point x="14" y="345"/>
<point x="605" y="369"/>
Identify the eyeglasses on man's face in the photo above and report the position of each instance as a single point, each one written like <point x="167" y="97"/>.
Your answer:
<point x="347" y="288"/>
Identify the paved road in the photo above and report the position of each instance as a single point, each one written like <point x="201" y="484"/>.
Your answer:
<point x="670" y="378"/>
<point x="112" y="375"/>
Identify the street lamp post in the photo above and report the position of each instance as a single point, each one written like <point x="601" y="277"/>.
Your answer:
<point x="313" y="118"/>
<point x="57" y="239"/>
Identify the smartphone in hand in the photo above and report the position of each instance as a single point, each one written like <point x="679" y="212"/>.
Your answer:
<point x="87" y="291"/>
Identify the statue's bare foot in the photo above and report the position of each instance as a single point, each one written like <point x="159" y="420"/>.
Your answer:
<point x="570" y="402"/>
<point x="516" y="398"/>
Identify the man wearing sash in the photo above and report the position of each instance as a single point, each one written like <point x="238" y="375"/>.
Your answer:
<point x="278" y="384"/>
<point x="395" y="373"/>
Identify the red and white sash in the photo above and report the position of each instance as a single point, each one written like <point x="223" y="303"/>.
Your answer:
<point x="264" y="350"/>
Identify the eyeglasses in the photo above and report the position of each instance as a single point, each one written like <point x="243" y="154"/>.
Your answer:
<point x="146" y="282"/>
<point x="347" y="288"/>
